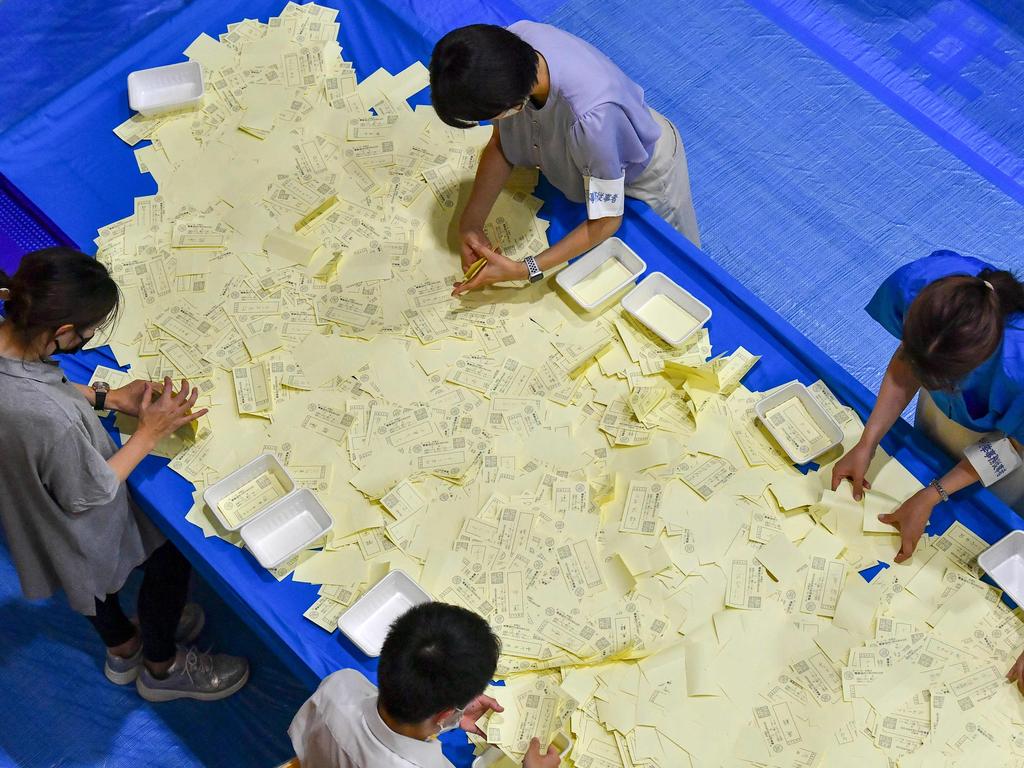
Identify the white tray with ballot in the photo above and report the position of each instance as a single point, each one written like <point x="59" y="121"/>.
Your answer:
<point x="798" y="422"/>
<point x="600" y="273"/>
<point x="274" y="516"/>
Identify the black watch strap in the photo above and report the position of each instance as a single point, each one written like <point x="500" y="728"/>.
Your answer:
<point x="101" y="399"/>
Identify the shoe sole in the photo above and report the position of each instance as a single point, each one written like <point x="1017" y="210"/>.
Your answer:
<point x="160" y="694"/>
<point x="121" y="678"/>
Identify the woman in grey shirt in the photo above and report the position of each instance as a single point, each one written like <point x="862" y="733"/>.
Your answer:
<point x="68" y="518"/>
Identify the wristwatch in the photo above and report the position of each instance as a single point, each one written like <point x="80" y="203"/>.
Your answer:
<point x="100" y="388"/>
<point x="531" y="267"/>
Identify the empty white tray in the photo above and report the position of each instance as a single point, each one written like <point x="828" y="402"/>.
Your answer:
<point x="266" y="463"/>
<point x="612" y="248"/>
<point x="367" y="621"/>
<point x="1004" y="562"/>
<point x="287" y="526"/>
<point x="825" y="422"/>
<point x="659" y="284"/>
<point x="165" y="89"/>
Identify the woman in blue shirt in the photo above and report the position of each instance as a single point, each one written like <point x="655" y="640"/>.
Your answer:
<point x="961" y="326"/>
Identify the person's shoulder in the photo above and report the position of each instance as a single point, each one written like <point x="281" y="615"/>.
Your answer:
<point x="31" y="406"/>
<point x="346" y="686"/>
<point x="943" y="263"/>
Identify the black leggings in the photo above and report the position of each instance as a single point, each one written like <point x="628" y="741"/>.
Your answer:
<point x="162" y="598"/>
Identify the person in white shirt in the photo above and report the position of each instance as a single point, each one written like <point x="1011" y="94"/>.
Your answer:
<point x="434" y="666"/>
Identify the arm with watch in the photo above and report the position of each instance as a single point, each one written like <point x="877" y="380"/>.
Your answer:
<point x="126" y="399"/>
<point x="499" y="268"/>
<point x="491" y="175"/>
<point x="898" y="388"/>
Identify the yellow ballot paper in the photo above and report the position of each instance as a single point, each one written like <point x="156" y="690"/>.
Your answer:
<point x="665" y="317"/>
<point x="240" y="505"/>
<point x="796" y="429"/>
<point x="474" y="268"/>
<point x="667" y="589"/>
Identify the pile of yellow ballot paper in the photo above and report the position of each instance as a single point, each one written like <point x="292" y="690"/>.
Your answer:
<point x="669" y="591"/>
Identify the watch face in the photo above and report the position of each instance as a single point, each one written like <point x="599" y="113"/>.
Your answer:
<point x="100" y="386"/>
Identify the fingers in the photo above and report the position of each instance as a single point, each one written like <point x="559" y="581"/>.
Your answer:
<point x="888" y="519"/>
<point x="534" y="750"/>
<point x="858" y="487"/>
<point x="190" y="417"/>
<point x="474" y="728"/>
<point x="492" y="703"/>
<point x="168" y="387"/>
<point x="182" y="395"/>
<point x="470" y="285"/>
<point x="907" y="549"/>
<point x="147" y="394"/>
<point x="837" y="477"/>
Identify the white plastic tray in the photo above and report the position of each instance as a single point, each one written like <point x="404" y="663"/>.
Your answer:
<point x="266" y="463"/>
<point x="612" y="248"/>
<point x="166" y="89"/>
<point x="287" y="526"/>
<point x="367" y="621"/>
<point x="657" y="283"/>
<point x="493" y="757"/>
<point x="823" y="420"/>
<point x="1004" y="562"/>
<point x="282" y="528"/>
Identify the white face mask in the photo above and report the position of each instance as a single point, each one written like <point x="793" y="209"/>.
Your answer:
<point x="451" y="722"/>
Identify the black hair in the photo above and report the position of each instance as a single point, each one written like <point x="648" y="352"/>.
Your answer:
<point x="956" y="323"/>
<point x="58" y="286"/>
<point x="478" y="72"/>
<point x="435" y="657"/>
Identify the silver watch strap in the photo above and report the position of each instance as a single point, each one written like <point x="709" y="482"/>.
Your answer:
<point x="533" y="269"/>
<point x="941" y="491"/>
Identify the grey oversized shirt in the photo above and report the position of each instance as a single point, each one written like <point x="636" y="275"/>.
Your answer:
<point x="69" y="522"/>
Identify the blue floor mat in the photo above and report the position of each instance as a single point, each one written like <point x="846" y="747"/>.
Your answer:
<point x="809" y="188"/>
<point x="58" y="709"/>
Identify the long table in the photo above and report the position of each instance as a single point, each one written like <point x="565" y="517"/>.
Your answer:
<point x="66" y="159"/>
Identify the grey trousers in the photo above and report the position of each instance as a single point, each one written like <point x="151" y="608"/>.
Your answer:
<point x="665" y="182"/>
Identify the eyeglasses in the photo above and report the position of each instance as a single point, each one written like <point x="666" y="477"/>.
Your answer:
<point x="513" y="110"/>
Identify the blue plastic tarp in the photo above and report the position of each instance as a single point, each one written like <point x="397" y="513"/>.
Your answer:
<point x="65" y="158"/>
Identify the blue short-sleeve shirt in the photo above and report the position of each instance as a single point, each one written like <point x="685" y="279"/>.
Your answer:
<point x="991" y="398"/>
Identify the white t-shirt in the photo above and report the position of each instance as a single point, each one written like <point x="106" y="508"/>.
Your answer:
<point x="339" y="727"/>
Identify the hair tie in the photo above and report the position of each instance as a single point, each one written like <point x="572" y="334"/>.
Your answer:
<point x="5" y="294"/>
<point x="990" y="286"/>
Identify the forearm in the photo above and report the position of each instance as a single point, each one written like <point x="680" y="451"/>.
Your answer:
<point x="87" y="392"/>
<point x="963" y="475"/>
<point x="898" y="388"/>
<point x="584" y="237"/>
<point x="491" y="175"/>
<point x="131" y="454"/>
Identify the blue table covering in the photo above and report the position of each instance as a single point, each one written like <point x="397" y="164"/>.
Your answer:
<point x="66" y="159"/>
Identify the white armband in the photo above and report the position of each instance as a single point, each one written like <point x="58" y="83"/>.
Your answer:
<point x="993" y="459"/>
<point x="605" y="197"/>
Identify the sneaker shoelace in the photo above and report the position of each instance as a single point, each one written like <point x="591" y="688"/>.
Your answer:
<point x="198" y="665"/>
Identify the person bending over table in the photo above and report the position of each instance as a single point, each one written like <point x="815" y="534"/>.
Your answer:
<point x="66" y="512"/>
<point x="562" y="106"/>
<point x="435" y="663"/>
<point x="961" y="325"/>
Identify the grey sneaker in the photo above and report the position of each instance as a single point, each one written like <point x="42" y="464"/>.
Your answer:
<point x="195" y="675"/>
<point x="121" y="671"/>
